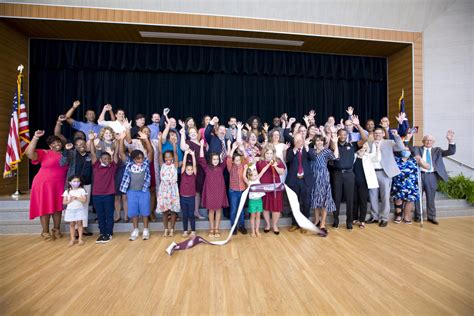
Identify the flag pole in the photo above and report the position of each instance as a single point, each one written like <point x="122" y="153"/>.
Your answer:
<point x="17" y="193"/>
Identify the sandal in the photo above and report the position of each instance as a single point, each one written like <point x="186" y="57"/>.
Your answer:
<point x="397" y="219"/>
<point x="407" y="222"/>
<point x="71" y="243"/>
<point x="165" y="234"/>
<point x="361" y="225"/>
<point x="217" y="233"/>
<point x="56" y="233"/>
<point x="47" y="236"/>
<point x="81" y="243"/>
<point x="211" y="233"/>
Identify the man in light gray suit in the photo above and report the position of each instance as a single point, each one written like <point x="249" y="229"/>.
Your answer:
<point x="430" y="177"/>
<point x="385" y="169"/>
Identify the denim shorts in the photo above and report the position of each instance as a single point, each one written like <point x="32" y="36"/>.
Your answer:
<point x="138" y="203"/>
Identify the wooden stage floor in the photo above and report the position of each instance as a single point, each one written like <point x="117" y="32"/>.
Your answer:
<point x="398" y="270"/>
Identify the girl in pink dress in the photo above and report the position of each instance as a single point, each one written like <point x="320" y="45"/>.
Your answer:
<point x="48" y="185"/>
<point x="214" y="196"/>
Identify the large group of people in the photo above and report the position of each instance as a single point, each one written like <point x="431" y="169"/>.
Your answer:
<point x="173" y="167"/>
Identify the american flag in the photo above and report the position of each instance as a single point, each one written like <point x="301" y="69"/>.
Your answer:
<point x="19" y="135"/>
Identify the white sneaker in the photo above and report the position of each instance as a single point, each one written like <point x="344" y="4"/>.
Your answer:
<point x="146" y="234"/>
<point x="134" y="235"/>
<point x="193" y="233"/>
<point x="185" y="234"/>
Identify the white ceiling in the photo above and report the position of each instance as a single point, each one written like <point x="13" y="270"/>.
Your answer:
<point x="407" y="15"/>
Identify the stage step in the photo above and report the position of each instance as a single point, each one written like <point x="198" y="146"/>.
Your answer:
<point x="14" y="217"/>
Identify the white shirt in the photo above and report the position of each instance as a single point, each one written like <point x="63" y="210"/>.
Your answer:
<point x="74" y="205"/>
<point x="115" y="125"/>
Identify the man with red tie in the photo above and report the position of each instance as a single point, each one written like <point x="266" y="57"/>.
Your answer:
<point x="300" y="176"/>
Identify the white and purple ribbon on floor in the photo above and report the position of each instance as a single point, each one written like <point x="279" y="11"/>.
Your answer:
<point x="302" y="221"/>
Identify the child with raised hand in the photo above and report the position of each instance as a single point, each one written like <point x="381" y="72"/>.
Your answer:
<point x="168" y="192"/>
<point x="214" y="196"/>
<point x="135" y="183"/>
<point x="187" y="190"/>
<point x="255" y="206"/>
<point x="237" y="185"/>
<point x="104" y="169"/>
<point x="74" y="197"/>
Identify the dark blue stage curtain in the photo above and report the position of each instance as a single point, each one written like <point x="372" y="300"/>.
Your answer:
<point x="193" y="80"/>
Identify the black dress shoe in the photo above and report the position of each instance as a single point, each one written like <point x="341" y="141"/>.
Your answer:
<point x="277" y="232"/>
<point x="243" y="230"/>
<point x="383" y="223"/>
<point x="234" y="232"/>
<point x="335" y="225"/>
<point x="87" y="233"/>
<point x="433" y="221"/>
<point x="417" y="219"/>
<point x="372" y="221"/>
<point x="349" y="226"/>
<point x="318" y="224"/>
<point x="266" y="230"/>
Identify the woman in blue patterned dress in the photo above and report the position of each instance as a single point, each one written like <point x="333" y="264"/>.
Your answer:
<point x="405" y="191"/>
<point x="321" y="197"/>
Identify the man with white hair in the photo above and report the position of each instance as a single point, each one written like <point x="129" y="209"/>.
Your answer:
<point x="430" y="177"/>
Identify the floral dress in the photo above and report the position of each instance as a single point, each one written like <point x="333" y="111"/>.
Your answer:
<point x="168" y="192"/>
<point x="405" y="185"/>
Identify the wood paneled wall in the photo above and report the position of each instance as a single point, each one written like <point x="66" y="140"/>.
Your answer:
<point x="400" y="72"/>
<point x="13" y="51"/>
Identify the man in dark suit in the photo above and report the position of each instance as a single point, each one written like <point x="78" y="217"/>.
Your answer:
<point x="430" y="177"/>
<point x="300" y="176"/>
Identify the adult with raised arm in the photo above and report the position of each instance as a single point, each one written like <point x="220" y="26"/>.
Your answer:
<point x="84" y="127"/>
<point x="385" y="169"/>
<point x="48" y="185"/>
<point x="436" y="172"/>
<point x="342" y="175"/>
<point x="300" y="177"/>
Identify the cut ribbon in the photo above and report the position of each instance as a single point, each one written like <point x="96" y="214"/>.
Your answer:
<point x="302" y="221"/>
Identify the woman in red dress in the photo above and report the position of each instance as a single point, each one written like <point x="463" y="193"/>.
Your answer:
<point x="272" y="201"/>
<point x="48" y="184"/>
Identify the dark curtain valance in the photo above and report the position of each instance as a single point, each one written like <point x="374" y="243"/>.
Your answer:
<point x="51" y="54"/>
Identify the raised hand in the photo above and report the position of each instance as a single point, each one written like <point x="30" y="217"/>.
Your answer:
<point x="191" y="152"/>
<point x="239" y="125"/>
<point x="284" y="117"/>
<point x="450" y="136"/>
<point x="91" y="135"/>
<point x="266" y="126"/>
<point x="306" y="142"/>
<point x="287" y="145"/>
<point x="62" y="118"/>
<point x="394" y="132"/>
<point x="39" y="133"/>
<point x="401" y="117"/>
<point x="142" y="135"/>
<point x="181" y="123"/>
<point x="201" y="142"/>
<point x="355" y="120"/>
<point x="214" y="120"/>
<point x="291" y="120"/>
<point x="350" y="110"/>
<point x="408" y="137"/>
<point x="126" y="123"/>
<point x="76" y="104"/>
<point x="334" y="138"/>
<point x="69" y="146"/>
<point x="247" y="126"/>
<point x="166" y="111"/>
<point x="107" y="107"/>
<point x="235" y="145"/>
<point x="312" y="113"/>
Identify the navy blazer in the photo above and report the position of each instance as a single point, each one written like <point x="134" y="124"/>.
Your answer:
<point x="292" y="165"/>
<point x="215" y="144"/>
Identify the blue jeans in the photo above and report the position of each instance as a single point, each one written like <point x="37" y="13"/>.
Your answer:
<point x="234" y="197"/>
<point x="187" y="204"/>
<point x="104" y="207"/>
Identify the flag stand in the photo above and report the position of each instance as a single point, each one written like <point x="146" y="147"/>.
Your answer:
<point x="17" y="193"/>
